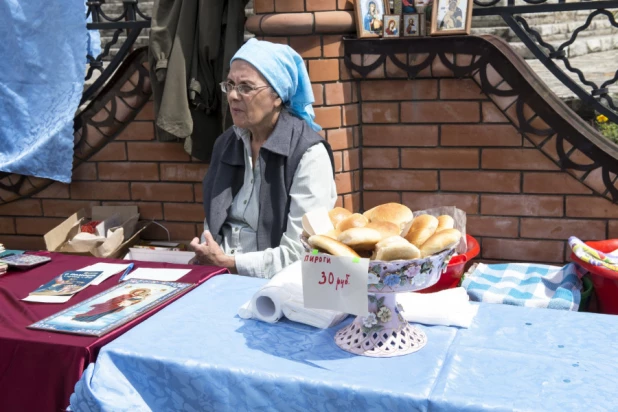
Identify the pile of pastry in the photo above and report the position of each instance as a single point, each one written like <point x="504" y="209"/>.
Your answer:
<point x="386" y="232"/>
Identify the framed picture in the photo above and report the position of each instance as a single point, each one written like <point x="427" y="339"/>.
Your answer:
<point x="369" y="17"/>
<point x="391" y="25"/>
<point x="451" y="17"/>
<point x="112" y="308"/>
<point x="411" y="25"/>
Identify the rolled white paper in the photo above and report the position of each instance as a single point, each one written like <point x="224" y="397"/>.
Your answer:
<point x="449" y="307"/>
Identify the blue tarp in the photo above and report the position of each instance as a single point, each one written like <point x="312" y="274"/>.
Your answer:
<point x="42" y="69"/>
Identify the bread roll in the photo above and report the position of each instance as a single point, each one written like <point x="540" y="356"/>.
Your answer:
<point x="386" y="229"/>
<point x="391" y="240"/>
<point x="354" y="220"/>
<point x="440" y="241"/>
<point x="422" y="228"/>
<point x="392" y="212"/>
<point x="338" y="214"/>
<point x="331" y="246"/>
<point x="360" y="238"/>
<point x="333" y="234"/>
<point x="397" y="251"/>
<point x="445" y="222"/>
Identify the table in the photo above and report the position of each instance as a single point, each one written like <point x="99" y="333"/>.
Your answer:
<point x="197" y="355"/>
<point x="39" y="369"/>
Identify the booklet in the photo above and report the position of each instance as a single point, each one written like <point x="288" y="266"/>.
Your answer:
<point x="112" y="308"/>
<point x="68" y="283"/>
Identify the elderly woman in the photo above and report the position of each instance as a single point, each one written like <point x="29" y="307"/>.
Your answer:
<point x="267" y="170"/>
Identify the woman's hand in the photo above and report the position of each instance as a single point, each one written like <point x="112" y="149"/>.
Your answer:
<point x="209" y="253"/>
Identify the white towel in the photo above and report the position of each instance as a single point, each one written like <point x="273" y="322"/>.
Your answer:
<point x="283" y="296"/>
<point x="449" y="307"/>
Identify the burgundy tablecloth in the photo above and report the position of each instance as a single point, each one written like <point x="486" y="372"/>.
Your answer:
<point x="39" y="369"/>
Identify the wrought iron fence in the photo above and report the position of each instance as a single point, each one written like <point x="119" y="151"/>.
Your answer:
<point x="593" y="95"/>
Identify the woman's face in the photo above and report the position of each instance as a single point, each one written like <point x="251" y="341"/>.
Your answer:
<point x="391" y="25"/>
<point x="250" y="110"/>
<point x="372" y="8"/>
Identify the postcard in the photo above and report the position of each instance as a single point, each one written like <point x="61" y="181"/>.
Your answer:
<point x="112" y="308"/>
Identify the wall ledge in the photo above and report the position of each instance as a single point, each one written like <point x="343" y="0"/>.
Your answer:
<point x="297" y="24"/>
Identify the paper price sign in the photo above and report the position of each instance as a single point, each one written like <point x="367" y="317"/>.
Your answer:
<point x="335" y="282"/>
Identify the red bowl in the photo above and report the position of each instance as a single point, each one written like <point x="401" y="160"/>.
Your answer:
<point x="605" y="281"/>
<point x="455" y="269"/>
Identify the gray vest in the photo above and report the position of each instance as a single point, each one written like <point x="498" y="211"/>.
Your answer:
<point x="279" y="158"/>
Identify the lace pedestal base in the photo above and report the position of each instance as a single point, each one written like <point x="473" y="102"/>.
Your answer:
<point x="384" y="333"/>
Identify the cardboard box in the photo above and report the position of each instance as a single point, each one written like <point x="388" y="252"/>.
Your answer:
<point x="127" y="233"/>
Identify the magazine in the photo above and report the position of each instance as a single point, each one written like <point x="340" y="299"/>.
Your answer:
<point x="112" y="308"/>
<point x="68" y="283"/>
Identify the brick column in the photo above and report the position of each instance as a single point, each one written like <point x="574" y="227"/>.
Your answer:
<point x="315" y="28"/>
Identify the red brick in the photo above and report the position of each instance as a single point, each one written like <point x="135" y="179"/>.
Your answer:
<point x="338" y="93"/>
<point x="380" y="112"/>
<point x="523" y="250"/>
<point x="495" y="226"/>
<point x="344" y="182"/>
<point x="177" y="231"/>
<point x="22" y="207"/>
<point x="277" y="39"/>
<point x="100" y="190"/>
<point x="357" y="176"/>
<point x="283" y="6"/>
<point x="85" y="171"/>
<point x="589" y="206"/>
<point x="560" y="182"/>
<point x="518" y="159"/>
<point x="400" y="135"/>
<point x="318" y="94"/>
<point x="380" y="158"/>
<point x="612" y="232"/>
<point x="147" y="210"/>
<point x="478" y="181"/>
<point x="350" y="114"/>
<point x="65" y="208"/>
<point x="467" y="202"/>
<point x="451" y="89"/>
<point x="23" y="242"/>
<point x="137" y="131"/>
<point x="321" y="5"/>
<point x="345" y="4"/>
<point x="352" y="201"/>
<point x="198" y="189"/>
<point x="338" y="158"/>
<point x="351" y="159"/>
<point x="183" y="212"/>
<point x="307" y="46"/>
<point x="172" y="192"/>
<point x="111" y="152"/>
<point x="182" y="172"/>
<point x="36" y="225"/>
<point x="440" y="112"/>
<point x="521" y="205"/>
<point x="398" y="90"/>
<point x="157" y="151"/>
<point x="54" y="191"/>
<point x="7" y="225"/>
<point x="563" y="228"/>
<point x="339" y="201"/>
<point x="263" y="6"/>
<point x="400" y="180"/>
<point x="372" y="199"/>
<point x="128" y="171"/>
<point x="440" y="158"/>
<point x="147" y="112"/>
<point x="491" y="113"/>
<point x="333" y="46"/>
<point x="324" y="70"/>
<point x="328" y="117"/>
<point x="480" y="135"/>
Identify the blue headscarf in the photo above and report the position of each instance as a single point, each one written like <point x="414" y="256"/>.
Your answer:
<point x="285" y="71"/>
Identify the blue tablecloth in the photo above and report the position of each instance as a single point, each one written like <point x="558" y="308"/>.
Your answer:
<point x="197" y="355"/>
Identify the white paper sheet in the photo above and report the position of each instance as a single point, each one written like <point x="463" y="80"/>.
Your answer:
<point x="164" y="275"/>
<point x="47" y="299"/>
<point x="108" y="269"/>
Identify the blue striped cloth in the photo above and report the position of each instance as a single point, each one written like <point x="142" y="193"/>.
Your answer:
<point x="525" y="284"/>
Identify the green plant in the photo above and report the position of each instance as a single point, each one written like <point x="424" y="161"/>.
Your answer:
<point x="607" y="128"/>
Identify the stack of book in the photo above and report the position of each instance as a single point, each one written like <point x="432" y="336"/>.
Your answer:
<point x="1" y="248"/>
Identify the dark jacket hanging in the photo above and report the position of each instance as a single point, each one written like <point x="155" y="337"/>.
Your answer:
<point x="191" y="45"/>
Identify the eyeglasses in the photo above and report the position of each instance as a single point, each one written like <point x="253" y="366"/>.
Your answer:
<point x="242" y="89"/>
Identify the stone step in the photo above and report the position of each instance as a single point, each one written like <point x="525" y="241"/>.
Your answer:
<point x="581" y="46"/>
<point x="535" y="19"/>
